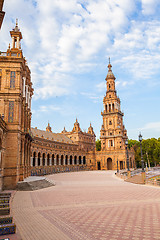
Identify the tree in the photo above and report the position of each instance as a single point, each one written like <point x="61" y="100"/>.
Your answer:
<point x="98" y="145"/>
<point x="150" y="151"/>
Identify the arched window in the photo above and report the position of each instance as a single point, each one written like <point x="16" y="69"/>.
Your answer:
<point x="106" y="108"/>
<point x="43" y="159"/>
<point x="39" y="159"/>
<point x="61" y="159"/>
<point x="34" y="159"/>
<point x="80" y="161"/>
<point x="48" y="157"/>
<point x="66" y="160"/>
<point x="57" y="160"/>
<point x="70" y="160"/>
<point x="52" y="159"/>
<point x="75" y="160"/>
<point x="113" y="106"/>
<point x="84" y="160"/>
<point x="109" y="107"/>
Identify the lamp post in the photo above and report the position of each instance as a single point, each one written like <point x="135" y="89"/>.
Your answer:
<point x="117" y="166"/>
<point x="126" y="142"/>
<point x="142" y="161"/>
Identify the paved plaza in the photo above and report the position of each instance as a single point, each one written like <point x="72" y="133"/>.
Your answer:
<point x="88" y="205"/>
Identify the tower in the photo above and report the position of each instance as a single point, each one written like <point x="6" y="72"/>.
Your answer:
<point x="113" y="133"/>
<point x="1" y="12"/>
<point x="15" y="106"/>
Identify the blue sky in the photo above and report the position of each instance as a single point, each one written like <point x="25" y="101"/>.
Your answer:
<point x="67" y="45"/>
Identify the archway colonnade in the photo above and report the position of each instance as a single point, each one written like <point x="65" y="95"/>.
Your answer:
<point x="49" y="159"/>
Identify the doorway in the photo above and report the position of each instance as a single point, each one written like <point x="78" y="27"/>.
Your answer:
<point x="121" y="165"/>
<point x="99" y="165"/>
<point x="109" y="164"/>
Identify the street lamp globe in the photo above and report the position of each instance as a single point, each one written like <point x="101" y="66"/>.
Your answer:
<point x="126" y="142"/>
<point x="140" y="137"/>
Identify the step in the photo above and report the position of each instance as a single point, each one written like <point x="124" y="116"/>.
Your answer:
<point x="4" y="211"/>
<point x="4" y="205"/>
<point x="6" y="220"/>
<point x="5" y="194"/>
<point x="4" y="200"/>
<point x="7" y="229"/>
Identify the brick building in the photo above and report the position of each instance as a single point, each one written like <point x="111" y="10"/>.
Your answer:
<point x="113" y="133"/>
<point x="65" y="151"/>
<point x="26" y="151"/>
<point x="15" y="109"/>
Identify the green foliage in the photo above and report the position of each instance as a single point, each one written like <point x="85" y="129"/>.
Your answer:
<point x="98" y="145"/>
<point x="150" y="151"/>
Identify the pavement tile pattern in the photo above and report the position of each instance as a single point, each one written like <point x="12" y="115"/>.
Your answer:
<point x="88" y="205"/>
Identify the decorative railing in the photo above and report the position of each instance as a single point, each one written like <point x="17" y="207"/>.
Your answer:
<point x="3" y="54"/>
<point x="35" y="171"/>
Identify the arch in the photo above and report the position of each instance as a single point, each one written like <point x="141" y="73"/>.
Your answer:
<point x="109" y="107"/>
<point x="71" y="160"/>
<point x="61" y="159"/>
<point x="66" y="160"/>
<point x="84" y="159"/>
<point x="121" y="165"/>
<point x="57" y="159"/>
<point x="113" y="107"/>
<point x="39" y="158"/>
<point x="130" y="160"/>
<point x="0" y="143"/>
<point x="34" y="159"/>
<point x="99" y="165"/>
<point x="106" y="108"/>
<point x="43" y="159"/>
<point x="80" y="161"/>
<point x="75" y="160"/>
<point x="109" y="163"/>
<point x="52" y="159"/>
<point x="48" y="157"/>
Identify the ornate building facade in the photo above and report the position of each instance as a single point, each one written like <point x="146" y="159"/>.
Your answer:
<point x="15" y="110"/>
<point x="26" y="151"/>
<point x="59" y="152"/>
<point x="113" y="133"/>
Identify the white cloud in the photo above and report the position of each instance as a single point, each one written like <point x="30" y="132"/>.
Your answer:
<point x="152" y="126"/>
<point x="149" y="7"/>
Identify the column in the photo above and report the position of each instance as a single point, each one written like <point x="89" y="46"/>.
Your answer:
<point x="36" y="161"/>
<point x="31" y="161"/>
<point x="17" y="42"/>
<point x="50" y="162"/>
<point x="40" y="161"/>
<point x="55" y="161"/>
<point x="45" y="161"/>
<point x="12" y="42"/>
<point x="64" y="160"/>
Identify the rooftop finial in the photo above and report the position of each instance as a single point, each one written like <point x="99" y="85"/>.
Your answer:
<point x="16" y="22"/>
<point x="109" y="65"/>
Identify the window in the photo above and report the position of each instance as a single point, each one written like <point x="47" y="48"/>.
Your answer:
<point x="12" y="79"/>
<point x="11" y="111"/>
<point x="110" y="122"/>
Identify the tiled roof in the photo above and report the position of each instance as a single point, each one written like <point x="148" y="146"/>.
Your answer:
<point x="57" y="137"/>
